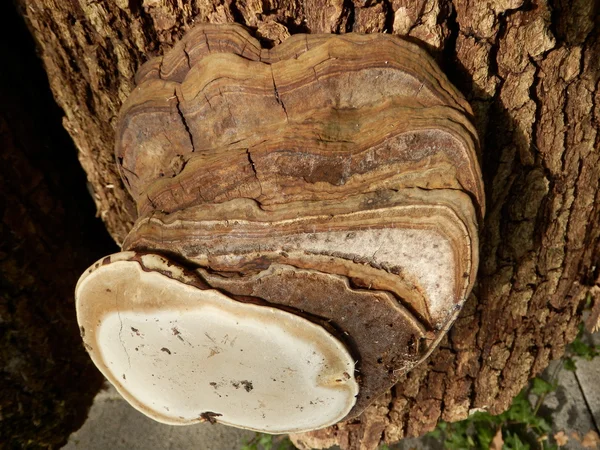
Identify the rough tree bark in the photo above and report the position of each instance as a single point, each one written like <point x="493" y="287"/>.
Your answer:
<point x="530" y="69"/>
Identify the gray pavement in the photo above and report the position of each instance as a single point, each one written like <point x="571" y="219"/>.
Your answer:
<point x="114" y="425"/>
<point x="575" y="405"/>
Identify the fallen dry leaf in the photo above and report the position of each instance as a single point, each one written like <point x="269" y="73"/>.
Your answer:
<point x="590" y="440"/>
<point x="497" y="442"/>
<point x="561" y="438"/>
<point x="592" y="324"/>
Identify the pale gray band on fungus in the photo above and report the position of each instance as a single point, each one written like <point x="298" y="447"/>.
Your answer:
<point x="307" y="231"/>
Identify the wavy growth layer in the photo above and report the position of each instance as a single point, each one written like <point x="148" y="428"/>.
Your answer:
<point x="322" y="196"/>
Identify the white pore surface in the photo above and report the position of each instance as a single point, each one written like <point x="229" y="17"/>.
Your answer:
<point x="256" y="367"/>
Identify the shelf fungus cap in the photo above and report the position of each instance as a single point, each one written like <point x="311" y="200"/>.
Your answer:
<point x="183" y="353"/>
<point x="322" y="200"/>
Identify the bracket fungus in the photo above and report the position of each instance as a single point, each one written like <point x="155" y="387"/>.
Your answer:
<point x="307" y="228"/>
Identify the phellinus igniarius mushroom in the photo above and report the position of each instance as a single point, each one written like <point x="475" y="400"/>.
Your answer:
<point x="307" y="229"/>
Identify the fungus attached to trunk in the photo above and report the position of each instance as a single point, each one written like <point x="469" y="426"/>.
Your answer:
<point x="307" y="229"/>
<point x="177" y="350"/>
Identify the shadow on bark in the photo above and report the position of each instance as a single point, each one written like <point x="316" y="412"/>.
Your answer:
<point x="48" y="236"/>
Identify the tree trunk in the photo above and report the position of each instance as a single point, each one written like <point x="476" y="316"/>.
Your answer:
<point x="531" y="72"/>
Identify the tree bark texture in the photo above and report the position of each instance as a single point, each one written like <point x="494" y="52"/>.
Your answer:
<point x="531" y="72"/>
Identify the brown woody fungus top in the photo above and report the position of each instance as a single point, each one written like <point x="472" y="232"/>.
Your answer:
<point x="307" y="230"/>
